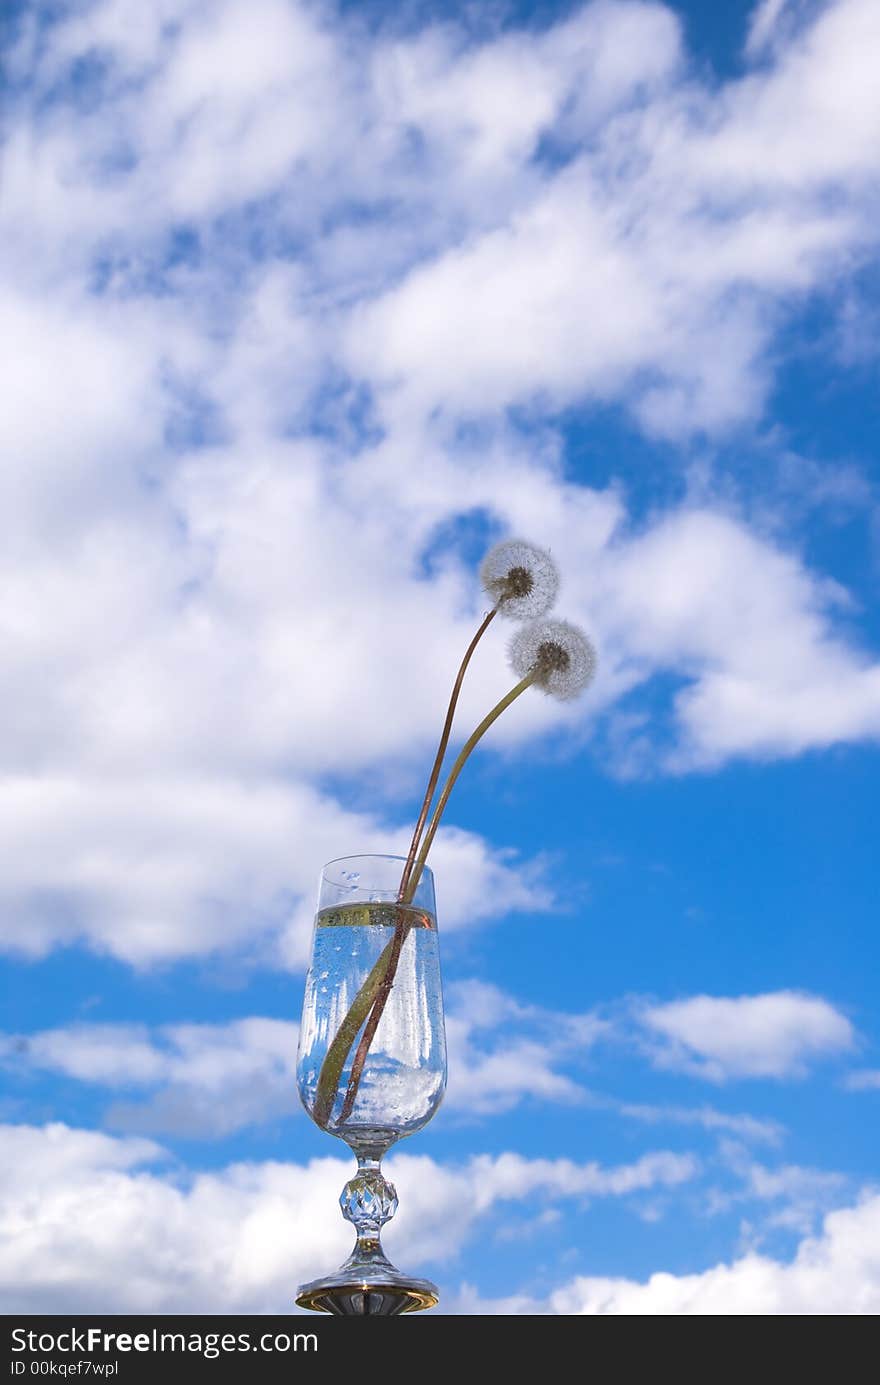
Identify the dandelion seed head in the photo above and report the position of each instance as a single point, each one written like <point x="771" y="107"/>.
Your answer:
<point x="520" y="578"/>
<point x="560" y="654"/>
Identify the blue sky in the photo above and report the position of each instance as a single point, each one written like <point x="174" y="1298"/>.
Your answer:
<point x="306" y="305"/>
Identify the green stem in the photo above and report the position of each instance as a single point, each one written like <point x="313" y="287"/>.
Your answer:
<point x="441" y="751"/>
<point x="373" y="994"/>
<point x="401" y="929"/>
<point x="456" y="771"/>
<point x="334" y="1060"/>
<point x="401" y="933"/>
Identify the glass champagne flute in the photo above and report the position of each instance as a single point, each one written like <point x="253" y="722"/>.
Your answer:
<point x="371" y="1084"/>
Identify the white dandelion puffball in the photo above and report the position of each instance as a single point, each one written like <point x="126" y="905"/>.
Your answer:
<point x="562" y="658"/>
<point x="520" y="578"/>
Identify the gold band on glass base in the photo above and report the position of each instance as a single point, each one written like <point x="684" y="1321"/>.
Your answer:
<point x="360" y="1298"/>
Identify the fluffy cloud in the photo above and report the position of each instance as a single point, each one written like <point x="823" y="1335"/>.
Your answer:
<point x="719" y="1037"/>
<point x="233" y="442"/>
<point x="752" y="628"/>
<point x="79" y="1209"/>
<point x="88" y="1225"/>
<point x="743" y="1126"/>
<point x="572" y="211"/>
<point x="293" y="303"/>
<point x="836" y="1272"/>
<point x="867" y="1080"/>
<point x="209" y="1080"/>
<point x="667" y="251"/>
<point x="501" y="1051"/>
<point x="796" y="1195"/>
<point x="174" y="868"/>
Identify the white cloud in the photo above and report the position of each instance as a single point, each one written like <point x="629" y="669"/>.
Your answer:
<point x="501" y="1051"/>
<point x="797" y="1195"/>
<point x="774" y="22"/>
<point x="211" y="107"/>
<point x="206" y="533"/>
<point x="815" y="101"/>
<point x="837" y="1272"/>
<point x="677" y="215"/>
<point x="751" y="630"/>
<point x="719" y="1038"/>
<point x="88" y="1225"/>
<point x="867" y="1080"/>
<point x="253" y="285"/>
<point x="486" y="106"/>
<point x="763" y="23"/>
<point x="668" y="249"/>
<point x="213" y="1079"/>
<point x="170" y="867"/>
<point x="111" y="1054"/>
<point x="743" y="1126"/>
<point x="210" y="1079"/>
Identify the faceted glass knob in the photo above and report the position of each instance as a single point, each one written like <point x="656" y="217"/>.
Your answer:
<point x="368" y="1201"/>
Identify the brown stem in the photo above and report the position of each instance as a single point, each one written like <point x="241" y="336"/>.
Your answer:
<point x="456" y="771"/>
<point x="402" y="927"/>
<point x="334" y="1058"/>
<point x="401" y="933"/>
<point x="441" y="751"/>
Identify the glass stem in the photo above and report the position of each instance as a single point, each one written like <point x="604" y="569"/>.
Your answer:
<point x="368" y="1201"/>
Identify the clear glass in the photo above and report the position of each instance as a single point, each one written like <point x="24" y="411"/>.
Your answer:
<point x="362" y="932"/>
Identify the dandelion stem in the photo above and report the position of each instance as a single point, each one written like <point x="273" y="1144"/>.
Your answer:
<point x="441" y="751"/>
<point x="403" y="925"/>
<point x="394" y="948"/>
<point x="334" y="1060"/>
<point x="458" y="766"/>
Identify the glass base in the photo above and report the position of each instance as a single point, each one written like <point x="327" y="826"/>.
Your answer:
<point x="358" y="1300"/>
<point x="367" y="1285"/>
